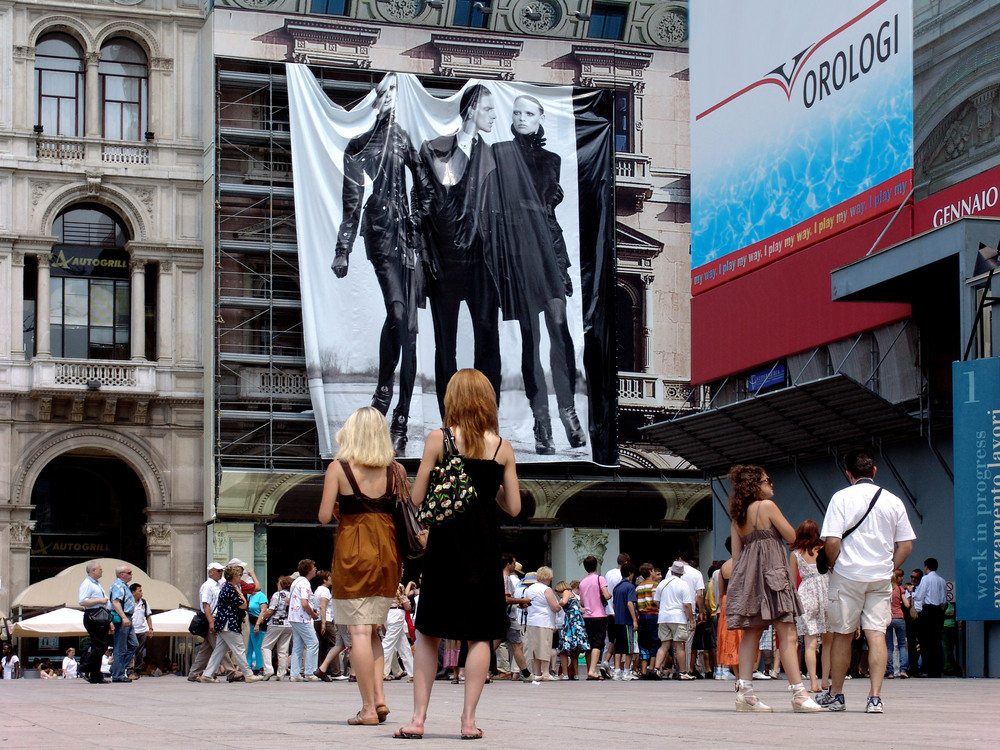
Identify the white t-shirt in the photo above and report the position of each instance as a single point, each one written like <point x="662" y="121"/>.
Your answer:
<point x="323" y="592"/>
<point x="613" y="577"/>
<point x="9" y="662"/>
<point x="69" y="668"/>
<point x="693" y="578"/>
<point x="300" y="590"/>
<point x="540" y="614"/>
<point x="866" y="555"/>
<point x="139" y="617"/>
<point x="672" y="594"/>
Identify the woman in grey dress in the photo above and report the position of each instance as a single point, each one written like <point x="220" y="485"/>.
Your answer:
<point x="761" y="591"/>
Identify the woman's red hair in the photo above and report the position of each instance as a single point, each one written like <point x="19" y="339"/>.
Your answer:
<point x="470" y="404"/>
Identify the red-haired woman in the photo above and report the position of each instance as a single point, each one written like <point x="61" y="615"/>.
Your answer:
<point x="462" y="593"/>
<point x="761" y="591"/>
<point x="813" y="588"/>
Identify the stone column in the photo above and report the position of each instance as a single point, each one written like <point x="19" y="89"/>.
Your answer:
<point x="93" y="95"/>
<point x="138" y="325"/>
<point x="165" y="313"/>
<point x="43" y="347"/>
<point x="647" y="322"/>
<point x="20" y="556"/>
<point x="158" y="539"/>
<point x="17" y="306"/>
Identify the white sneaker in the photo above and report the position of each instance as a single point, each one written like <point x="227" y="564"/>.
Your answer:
<point x="339" y="677"/>
<point x="298" y="678"/>
<point x="727" y="674"/>
<point x="252" y="678"/>
<point x="564" y="677"/>
<point x="758" y="675"/>
<point x="630" y="676"/>
<point x="617" y="676"/>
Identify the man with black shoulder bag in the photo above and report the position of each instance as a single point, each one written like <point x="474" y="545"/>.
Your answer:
<point x="867" y="536"/>
<point x="96" y="620"/>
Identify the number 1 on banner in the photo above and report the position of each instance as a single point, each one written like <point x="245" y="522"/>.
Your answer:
<point x="972" y="388"/>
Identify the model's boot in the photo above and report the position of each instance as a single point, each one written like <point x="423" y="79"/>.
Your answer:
<point x="574" y="432"/>
<point x="543" y="438"/>
<point x="382" y="398"/>
<point x="397" y="430"/>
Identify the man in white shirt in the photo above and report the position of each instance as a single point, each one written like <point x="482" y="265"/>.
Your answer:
<point x="142" y="623"/>
<point x="693" y="578"/>
<point x="675" y="619"/>
<point x="867" y="535"/>
<point x="930" y="598"/>
<point x="92" y="598"/>
<point x="208" y="595"/>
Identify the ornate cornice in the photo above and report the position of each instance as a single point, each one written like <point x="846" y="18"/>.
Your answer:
<point x="608" y="65"/>
<point x="476" y="56"/>
<point x="331" y="42"/>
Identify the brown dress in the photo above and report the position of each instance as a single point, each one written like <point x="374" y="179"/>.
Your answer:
<point x="761" y="590"/>
<point x="366" y="561"/>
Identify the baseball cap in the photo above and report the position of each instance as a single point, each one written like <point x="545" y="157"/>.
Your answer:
<point x="677" y="568"/>
<point x="216" y="566"/>
<point x="237" y="561"/>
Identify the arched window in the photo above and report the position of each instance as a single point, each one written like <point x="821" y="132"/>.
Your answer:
<point x="60" y="78"/>
<point x="124" y="77"/>
<point x="89" y="293"/>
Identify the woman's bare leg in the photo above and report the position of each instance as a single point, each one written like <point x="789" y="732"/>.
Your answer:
<point x="425" y="661"/>
<point x="477" y="665"/>
<point x="363" y="658"/>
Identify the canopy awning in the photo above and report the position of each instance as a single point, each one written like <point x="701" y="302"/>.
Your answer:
<point x="799" y="422"/>
<point x="69" y="622"/>
<point x="64" y="588"/>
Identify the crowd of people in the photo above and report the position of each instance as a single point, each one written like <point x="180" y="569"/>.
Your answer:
<point x="836" y="586"/>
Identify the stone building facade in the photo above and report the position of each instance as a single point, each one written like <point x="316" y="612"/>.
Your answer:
<point x="103" y="332"/>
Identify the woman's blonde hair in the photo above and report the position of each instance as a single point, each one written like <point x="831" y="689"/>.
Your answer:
<point x="470" y="404"/>
<point x="232" y="573"/>
<point x="364" y="439"/>
<point x="544" y="574"/>
<point x="561" y="586"/>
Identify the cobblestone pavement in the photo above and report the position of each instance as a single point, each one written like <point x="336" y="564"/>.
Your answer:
<point x="169" y="712"/>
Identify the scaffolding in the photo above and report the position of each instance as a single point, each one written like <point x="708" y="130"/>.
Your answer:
<point x="264" y="418"/>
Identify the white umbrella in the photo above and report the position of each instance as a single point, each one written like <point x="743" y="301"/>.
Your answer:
<point x="59" y="622"/>
<point x="171" y="622"/>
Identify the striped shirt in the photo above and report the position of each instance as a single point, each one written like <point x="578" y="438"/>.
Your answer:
<point x="644" y="595"/>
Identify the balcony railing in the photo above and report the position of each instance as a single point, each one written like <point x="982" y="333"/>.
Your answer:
<point x="50" y="148"/>
<point x="263" y="383"/>
<point x="650" y="391"/>
<point x="93" y="375"/>
<point x="76" y="148"/>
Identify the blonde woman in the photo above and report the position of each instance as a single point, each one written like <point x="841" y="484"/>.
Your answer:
<point x="462" y="592"/>
<point x="361" y="488"/>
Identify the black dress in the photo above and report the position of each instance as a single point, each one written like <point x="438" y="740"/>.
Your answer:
<point x="462" y="594"/>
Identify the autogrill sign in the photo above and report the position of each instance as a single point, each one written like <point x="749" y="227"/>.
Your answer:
<point x="70" y="260"/>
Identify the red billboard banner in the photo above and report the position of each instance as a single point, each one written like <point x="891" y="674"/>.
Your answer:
<point x="886" y="196"/>
<point x="977" y="196"/>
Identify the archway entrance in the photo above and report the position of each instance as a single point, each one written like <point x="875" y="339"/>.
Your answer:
<point x="86" y="506"/>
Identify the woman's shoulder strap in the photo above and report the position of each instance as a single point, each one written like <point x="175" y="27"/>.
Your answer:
<point x="497" y="451"/>
<point x="350" y="477"/>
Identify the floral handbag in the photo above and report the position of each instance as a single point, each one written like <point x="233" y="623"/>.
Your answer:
<point x="450" y="490"/>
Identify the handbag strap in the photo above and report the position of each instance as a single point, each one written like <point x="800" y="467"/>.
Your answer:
<point x="450" y="448"/>
<point x="870" y="506"/>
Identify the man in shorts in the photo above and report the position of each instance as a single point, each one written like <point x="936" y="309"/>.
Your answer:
<point x="861" y="582"/>
<point x="675" y="619"/>
<point x="515" y="606"/>
<point x="593" y="588"/>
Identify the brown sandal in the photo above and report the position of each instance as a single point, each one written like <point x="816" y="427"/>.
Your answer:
<point x="383" y="712"/>
<point x="356" y="720"/>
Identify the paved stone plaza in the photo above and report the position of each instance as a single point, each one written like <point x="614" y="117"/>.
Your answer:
<point x="170" y="712"/>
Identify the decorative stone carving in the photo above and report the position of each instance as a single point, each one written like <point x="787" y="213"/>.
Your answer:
<point x="611" y="66"/>
<point x="983" y="102"/>
<point x="140" y="415"/>
<point x="126" y="2"/>
<point x="17" y="258"/>
<point x="110" y="409"/>
<point x="220" y="544"/>
<point x="38" y="189"/>
<point x="254" y="4"/>
<point x="331" y="42"/>
<point x="670" y="27"/>
<point x="45" y="409"/>
<point x="20" y="532"/>
<point x="24" y="52"/>
<point x="157" y="534"/>
<point x="590" y="542"/>
<point x="401" y="10"/>
<point x="476" y="56"/>
<point x="165" y="64"/>
<point x="94" y="183"/>
<point x="145" y="196"/>
<point x="43" y="259"/>
<point x="92" y="58"/>
<point x="76" y="414"/>
<point x="548" y="14"/>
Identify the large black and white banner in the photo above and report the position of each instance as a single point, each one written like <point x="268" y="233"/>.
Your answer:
<point x="469" y="231"/>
